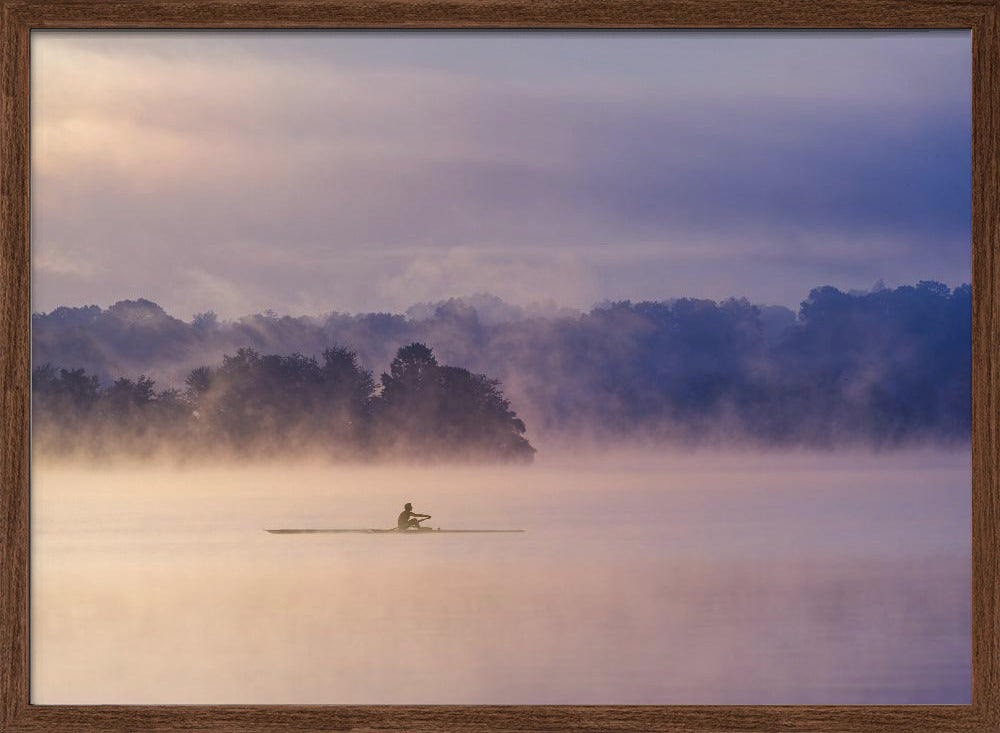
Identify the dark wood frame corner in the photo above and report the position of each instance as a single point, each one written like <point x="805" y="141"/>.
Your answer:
<point x="19" y="17"/>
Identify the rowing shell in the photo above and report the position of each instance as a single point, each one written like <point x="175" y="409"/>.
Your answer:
<point x="392" y="531"/>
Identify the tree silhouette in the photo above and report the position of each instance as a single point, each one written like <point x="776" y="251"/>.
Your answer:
<point x="428" y="409"/>
<point x="885" y="367"/>
<point x="347" y="394"/>
<point x="274" y="402"/>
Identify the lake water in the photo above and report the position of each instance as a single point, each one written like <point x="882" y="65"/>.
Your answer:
<point x="641" y="578"/>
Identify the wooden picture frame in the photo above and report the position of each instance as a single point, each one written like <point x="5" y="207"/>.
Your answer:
<point x="19" y="17"/>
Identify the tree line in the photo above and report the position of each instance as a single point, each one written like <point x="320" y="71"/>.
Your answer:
<point x="269" y="404"/>
<point x="886" y="367"/>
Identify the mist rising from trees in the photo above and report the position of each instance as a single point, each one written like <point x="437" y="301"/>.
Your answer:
<point x="882" y="369"/>
<point x="270" y="405"/>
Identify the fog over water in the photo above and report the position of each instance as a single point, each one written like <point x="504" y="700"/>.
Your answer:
<point x="706" y="293"/>
<point x="641" y="577"/>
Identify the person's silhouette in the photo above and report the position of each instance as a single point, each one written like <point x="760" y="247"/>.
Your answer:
<point x="410" y="519"/>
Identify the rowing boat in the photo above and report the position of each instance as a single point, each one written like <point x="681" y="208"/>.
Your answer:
<point x="422" y="530"/>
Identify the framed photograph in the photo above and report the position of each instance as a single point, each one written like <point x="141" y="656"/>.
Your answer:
<point x="499" y="366"/>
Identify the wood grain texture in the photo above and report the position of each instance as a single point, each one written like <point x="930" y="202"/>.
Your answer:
<point x="14" y="369"/>
<point x="916" y="719"/>
<point x="502" y="13"/>
<point x="18" y="17"/>
<point x="986" y="368"/>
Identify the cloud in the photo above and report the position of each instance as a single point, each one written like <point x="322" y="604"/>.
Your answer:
<point x="315" y="170"/>
<point x="522" y="277"/>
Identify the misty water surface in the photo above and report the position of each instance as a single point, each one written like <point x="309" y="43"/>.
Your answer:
<point x="641" y="578"/>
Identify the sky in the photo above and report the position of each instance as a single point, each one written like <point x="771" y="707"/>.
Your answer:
<point x="310" y="172"/>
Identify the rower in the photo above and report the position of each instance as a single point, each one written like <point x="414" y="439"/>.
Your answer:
<point x="410" y="519"/>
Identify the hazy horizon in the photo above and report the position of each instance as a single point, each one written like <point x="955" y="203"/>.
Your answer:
<point x="482" y="301"/>
<point x="884" y="368"/>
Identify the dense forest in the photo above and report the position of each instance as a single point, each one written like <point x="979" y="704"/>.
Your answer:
<point x="255" y="404"/>
<point x="881" y="368"/>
